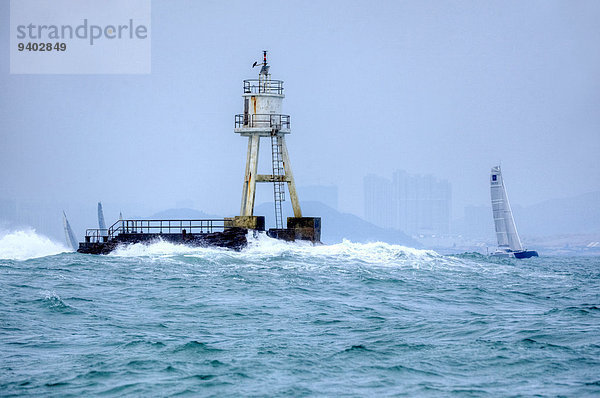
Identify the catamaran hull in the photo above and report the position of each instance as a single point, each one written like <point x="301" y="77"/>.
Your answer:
<point x="516" y="254"/>
<point x="526" y="254"/>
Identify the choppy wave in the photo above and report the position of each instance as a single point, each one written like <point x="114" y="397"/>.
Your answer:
<point x="261" y="247"/>
<point x="374" y="252"/>
<point x="160" y="248"/>
<point x="54" y="302"/>
<point x="292" y="319"/>
<point x="27" y="244"/>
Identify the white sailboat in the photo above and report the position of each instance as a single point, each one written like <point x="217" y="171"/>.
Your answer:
<point x="101" y="222"/>
<point x="509" y="243"/>
<point x="69" y="235"/>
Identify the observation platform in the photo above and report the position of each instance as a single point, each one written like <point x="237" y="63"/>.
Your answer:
<point x="207" y="232"/>
<point x="264" y="86"/>
<point x="231" y="233"/>
<point x="261" y="124"/>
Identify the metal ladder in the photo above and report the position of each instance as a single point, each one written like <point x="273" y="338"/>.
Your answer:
<point x="278" y="178"/>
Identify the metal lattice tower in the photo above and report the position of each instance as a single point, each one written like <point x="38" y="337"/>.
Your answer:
<point x="262" y="117"/>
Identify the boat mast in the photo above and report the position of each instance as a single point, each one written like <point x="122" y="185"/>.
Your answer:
<point x="506" y="230"/>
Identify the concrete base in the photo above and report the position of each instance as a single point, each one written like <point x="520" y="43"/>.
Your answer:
<point x="248" y="222"/>
<point x="299" y="228"/>
<point x="232" y="238"/>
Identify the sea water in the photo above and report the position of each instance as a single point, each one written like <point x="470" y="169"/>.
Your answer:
<point x="288" y="319"/>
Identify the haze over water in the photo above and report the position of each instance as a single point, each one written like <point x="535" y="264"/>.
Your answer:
<point x="442" y="88"/>
<point x="288" y="319"/>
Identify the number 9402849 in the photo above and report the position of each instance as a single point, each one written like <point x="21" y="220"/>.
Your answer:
<point x="42" y="46"/>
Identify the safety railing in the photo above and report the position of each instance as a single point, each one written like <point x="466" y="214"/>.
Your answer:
<point x="279" y="122"/>
<point x="155" y="227"/>
<point x="263" y="86"/>
<point x="96" y="235"/>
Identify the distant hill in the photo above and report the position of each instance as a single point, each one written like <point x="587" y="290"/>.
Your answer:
<point x="576" y="215"/>
<point x="183" y="213"/>
<point x="336" y="226"/>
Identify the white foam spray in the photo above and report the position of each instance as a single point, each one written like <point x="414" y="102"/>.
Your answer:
<point x="261" y="247"/>
<point x="27" y="244"/>
<point x="372" y="253"/>
<point x="160" y="248"/>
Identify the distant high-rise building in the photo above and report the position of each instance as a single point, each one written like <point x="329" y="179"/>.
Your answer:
<point x="379" y="207"/>
<point x="478" y="222"/>
<point x="413" y="204"/>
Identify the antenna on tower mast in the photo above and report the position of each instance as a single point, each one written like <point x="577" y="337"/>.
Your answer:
<point x="264" y="63"/>
<point x="265" y="68"/>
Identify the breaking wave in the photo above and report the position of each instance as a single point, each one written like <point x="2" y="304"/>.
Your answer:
<point x="161" y="248"/>
<point x="372" y="253"/>
<point x="27" y="244"/>
<point x="263" y="248"/>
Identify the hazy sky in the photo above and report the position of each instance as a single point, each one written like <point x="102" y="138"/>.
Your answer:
<point x="447" y="88"/>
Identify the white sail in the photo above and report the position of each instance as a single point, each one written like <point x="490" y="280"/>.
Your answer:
<point x="69" y="235"/>
<point x="506" y="231"/>
<point x="101" y="222"/>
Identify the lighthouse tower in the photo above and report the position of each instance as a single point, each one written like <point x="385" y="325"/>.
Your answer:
<point x="263" y="118"/>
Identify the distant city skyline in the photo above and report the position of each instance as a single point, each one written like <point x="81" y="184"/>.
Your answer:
<point x="570" y="217"/>
<point x="413" y="204"/>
